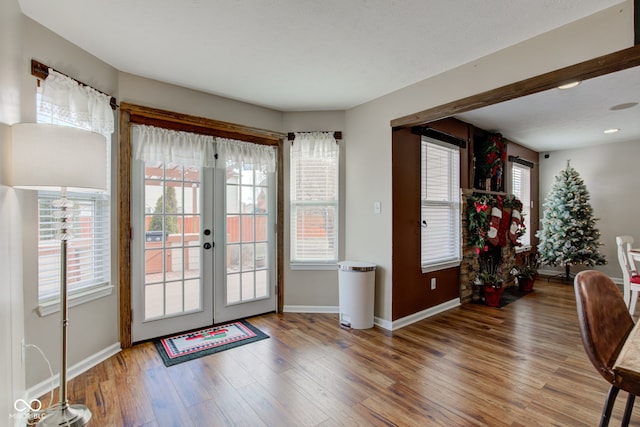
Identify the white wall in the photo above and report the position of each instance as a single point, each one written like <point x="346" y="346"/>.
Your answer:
<point x="306" y="290"/>
<point x="12" y="378"/>
<point x="164" y="96"/>
<point x="368" y="236"/>
<point x="93" y="326"/>
<point x="607" y="171"/>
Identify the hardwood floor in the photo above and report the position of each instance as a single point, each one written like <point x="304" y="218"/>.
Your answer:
<point x="522" y="365"/>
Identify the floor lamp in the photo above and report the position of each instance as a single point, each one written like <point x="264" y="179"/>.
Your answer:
<point x="60" y="158"/>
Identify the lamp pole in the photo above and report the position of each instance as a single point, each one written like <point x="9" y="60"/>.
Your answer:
<point x="66" y="415"/>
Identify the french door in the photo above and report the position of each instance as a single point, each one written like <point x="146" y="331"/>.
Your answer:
<point x="248" y="253"/>
<point x="202" y="239"/>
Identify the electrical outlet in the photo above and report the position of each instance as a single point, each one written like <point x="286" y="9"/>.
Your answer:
<point x="433" y="283"/>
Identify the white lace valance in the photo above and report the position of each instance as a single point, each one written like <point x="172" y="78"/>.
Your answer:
<point x="316" y="144"/>
<point x="69" y="101"/>
<point x="152" y="144"/>
<point x="262" y="157"/>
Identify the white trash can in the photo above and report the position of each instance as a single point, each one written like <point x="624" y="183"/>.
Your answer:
<point x="356" y="292"/>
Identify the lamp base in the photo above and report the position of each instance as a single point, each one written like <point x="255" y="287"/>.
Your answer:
<point x="70" y="416"/>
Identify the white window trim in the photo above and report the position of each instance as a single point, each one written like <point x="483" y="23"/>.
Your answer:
<point x="441" y="266"/>
<point x="427" y="268"/>
<point x="526" y="208"/>
<point x="318" y="139"/>
<point x="52" y="305"/>
<point x="313" y="266"/>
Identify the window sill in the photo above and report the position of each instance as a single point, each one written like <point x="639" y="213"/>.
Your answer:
<point x="311" y="266"/>
<point x="442" y="266"/>
<point x="51" y="306"/>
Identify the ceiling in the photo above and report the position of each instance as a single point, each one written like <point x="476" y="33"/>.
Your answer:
<point x="564" y="119"/>
<point x="312" y="55"/>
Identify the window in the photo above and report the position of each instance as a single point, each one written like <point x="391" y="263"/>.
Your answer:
<point x="314" y="199"/>
<point x="440" y="201"/>
<point x="521" y="184"/>
<point x="88" y="252"/>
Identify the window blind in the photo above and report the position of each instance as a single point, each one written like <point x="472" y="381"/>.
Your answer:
<point x="314" y="200"/>
<point x="88" y="252"/>
<point x="440" y="204"/>
<point x="521" y="182"/>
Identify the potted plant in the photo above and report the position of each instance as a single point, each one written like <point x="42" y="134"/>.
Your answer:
<point x="491" y="279"/>
<point x="527" y="272"/>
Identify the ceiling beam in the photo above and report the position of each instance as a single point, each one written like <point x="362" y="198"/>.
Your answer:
<point x="620" y="60"/>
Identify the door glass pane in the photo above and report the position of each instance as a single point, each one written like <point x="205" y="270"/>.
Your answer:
<point x="173" y="300"/>
<point x="172" y="241"/>
<point x="248" y="258"/>
<point x="153" y="303"/>
<point x="191" y="260"/>
<point x="261" y="228"/>
<point x="233" y="258"/>
<point x="247" y="234"/>
<point x="233" y="288"/>
<point x="154" y="264"/>
<point x="191" y="194"/>
<point x="247" y="228"/>
<point x="191" y="230"/>
<point x="192" y="295"/>
<point x="261" y="284"/>
<point x="248" y="291"/>
<point x="261" y="200"/>
<point x="261" y="255"/>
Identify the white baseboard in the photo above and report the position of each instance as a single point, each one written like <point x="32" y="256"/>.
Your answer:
<point x="311" y="309"/>
<point x="49" y="384"/>
<point x="384" y="324"/>
<point x="431" y="311"/>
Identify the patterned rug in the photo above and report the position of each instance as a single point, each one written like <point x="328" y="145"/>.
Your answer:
<point x="192" y="345"/>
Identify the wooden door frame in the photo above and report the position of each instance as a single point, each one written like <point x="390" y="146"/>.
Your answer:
<point x="136" y="114"/>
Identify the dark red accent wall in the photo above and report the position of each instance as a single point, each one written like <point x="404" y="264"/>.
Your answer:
<point x="412" y="291"/>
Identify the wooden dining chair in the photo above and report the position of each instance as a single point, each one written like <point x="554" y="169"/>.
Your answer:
<point x="605" y="323"/>
<point x="630" y="276"/>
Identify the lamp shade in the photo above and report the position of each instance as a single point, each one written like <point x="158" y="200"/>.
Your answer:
<point x="52" y="157"/>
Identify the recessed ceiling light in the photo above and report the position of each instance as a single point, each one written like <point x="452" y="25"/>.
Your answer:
<point x="612" y="130"/>
<point x="569" y="85"/>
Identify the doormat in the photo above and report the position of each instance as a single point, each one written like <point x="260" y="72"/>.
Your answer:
<point x="192" y="345"/>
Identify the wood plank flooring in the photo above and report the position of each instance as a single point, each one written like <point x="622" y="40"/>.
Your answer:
<point x="522" y="365"/>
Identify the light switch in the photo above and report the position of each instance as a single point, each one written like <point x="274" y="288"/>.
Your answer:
<point x="377" y="207"/>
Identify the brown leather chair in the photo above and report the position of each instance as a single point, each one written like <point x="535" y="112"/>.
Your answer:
<point x="605" y="323"/>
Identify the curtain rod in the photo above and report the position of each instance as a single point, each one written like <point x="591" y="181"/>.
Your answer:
<point x="439" y="135"/>
<point x="518" y="159"/>
<point x="291" y="136"/>
<point x="41" y="71"/>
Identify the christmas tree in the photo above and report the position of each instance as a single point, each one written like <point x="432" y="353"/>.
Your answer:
<point x="568" y="235"/>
